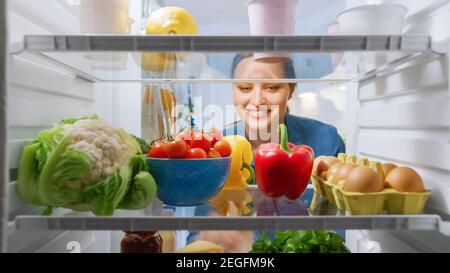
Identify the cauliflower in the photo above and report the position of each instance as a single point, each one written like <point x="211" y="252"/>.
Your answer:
<point x="85" y="164"/>
<point x="103" y="145"/>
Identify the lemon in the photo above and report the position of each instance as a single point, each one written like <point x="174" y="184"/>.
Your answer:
<point x="167" y="20"/>
<point x="171" y="20"/>
<point x="157" y="62"/>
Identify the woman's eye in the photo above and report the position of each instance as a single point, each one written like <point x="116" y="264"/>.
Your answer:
<point x="245" y="88"/>
<point x="273" y="88"/>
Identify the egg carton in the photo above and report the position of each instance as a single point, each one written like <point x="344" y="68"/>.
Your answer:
<point x="355" y="203"/>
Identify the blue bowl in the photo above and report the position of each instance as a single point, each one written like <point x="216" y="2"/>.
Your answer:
<point x="189" y="182"/>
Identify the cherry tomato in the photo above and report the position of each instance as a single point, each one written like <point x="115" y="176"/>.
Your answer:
<point x="187" y="136"/>
<point x="176" y="148"/>
<point x="216" y="136"/>
<point x="196" y="153"/>
<point x="188" y="148"/>
<point x="223" y="148"/>
<point x="157" y="150"/>
<point x="202" y="141"/>
<point x="213" y="154"/>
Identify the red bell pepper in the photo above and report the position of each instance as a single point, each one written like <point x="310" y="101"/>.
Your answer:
<point x="283" y="169"/>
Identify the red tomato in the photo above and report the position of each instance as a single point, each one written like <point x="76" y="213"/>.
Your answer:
<point x="176" y="148"/>
<point x="202" y="141"/>
<point x="216" y="135"/>
<point x="223" y="148"/>
<point x="188" y="148"/>
<point x="187" y="136"/>
<point x="196" y="153"/>
<point x="213" y="153"/>
<point x="157" y="151"/>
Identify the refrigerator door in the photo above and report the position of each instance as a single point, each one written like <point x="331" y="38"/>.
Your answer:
<point x="3" y="122"/>
<point x="403" y="116"/>
<point x="40" y="94"/>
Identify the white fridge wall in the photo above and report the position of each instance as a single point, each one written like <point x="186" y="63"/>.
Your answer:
<point x="404" y="117"/>
<point x="38" y="96"/>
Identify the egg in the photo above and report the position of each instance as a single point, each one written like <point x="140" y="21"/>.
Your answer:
<point x="322" y="163"/>
<point x="363" y="179"/>
<point x="342" y="173"/>
<point x="318" y="161"/>
<point x="405" y="179"/>
<point x="387" y="167"/>
<point x="333" y="169"/>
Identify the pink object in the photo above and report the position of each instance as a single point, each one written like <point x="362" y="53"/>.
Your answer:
<point x="270" y="17"/>
<point x="336" y="58"/>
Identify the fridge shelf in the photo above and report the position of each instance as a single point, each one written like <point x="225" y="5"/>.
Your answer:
<point x="185" y="43"/>
<point x="149" y="58"/>
<point x="283" y="215"/>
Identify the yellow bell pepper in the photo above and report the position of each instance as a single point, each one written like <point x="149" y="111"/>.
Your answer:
<point x="233" y="198"/>
<point x="231" y="202"/>
<point x="241" y="172"/>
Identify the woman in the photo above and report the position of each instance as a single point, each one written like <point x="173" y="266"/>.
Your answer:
<point x="262" y="106"/>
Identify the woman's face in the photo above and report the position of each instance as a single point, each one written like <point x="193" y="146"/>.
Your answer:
<point x="262" y="106"/>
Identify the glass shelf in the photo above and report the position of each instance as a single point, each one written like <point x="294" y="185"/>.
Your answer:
<point x="151" y="58"/>
<point x="259" y="213"/>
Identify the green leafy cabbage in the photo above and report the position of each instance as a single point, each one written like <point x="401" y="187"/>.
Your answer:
<point x="85" y="164"/>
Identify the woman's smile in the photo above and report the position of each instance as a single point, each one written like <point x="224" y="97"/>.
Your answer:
<point x="258" y="113"/>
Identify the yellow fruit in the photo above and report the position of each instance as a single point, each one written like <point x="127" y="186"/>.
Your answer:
<point x="201" y="247"/>
<point x="167" y="20"/>
<point x="231" y="202"/>
<point x="171" y="20"/>
<point x="157" y="62"/>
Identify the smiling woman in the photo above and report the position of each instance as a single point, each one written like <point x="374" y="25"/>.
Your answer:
<point x="263" y="106"/>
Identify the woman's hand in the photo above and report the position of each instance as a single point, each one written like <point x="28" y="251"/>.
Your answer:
<point x="230" y="241"/>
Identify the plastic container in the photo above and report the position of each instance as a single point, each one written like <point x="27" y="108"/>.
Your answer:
<point x="104" y="16"/>
<point x="384" y="19"/>
<point x="268" y="17"/>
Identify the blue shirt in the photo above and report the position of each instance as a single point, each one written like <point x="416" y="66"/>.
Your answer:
<point x="321" y="137"/>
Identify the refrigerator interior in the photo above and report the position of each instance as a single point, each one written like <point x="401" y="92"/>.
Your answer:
<point x="399" y="113"/>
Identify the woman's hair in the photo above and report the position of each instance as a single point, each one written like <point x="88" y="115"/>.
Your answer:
<point x="289" y="71"/>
